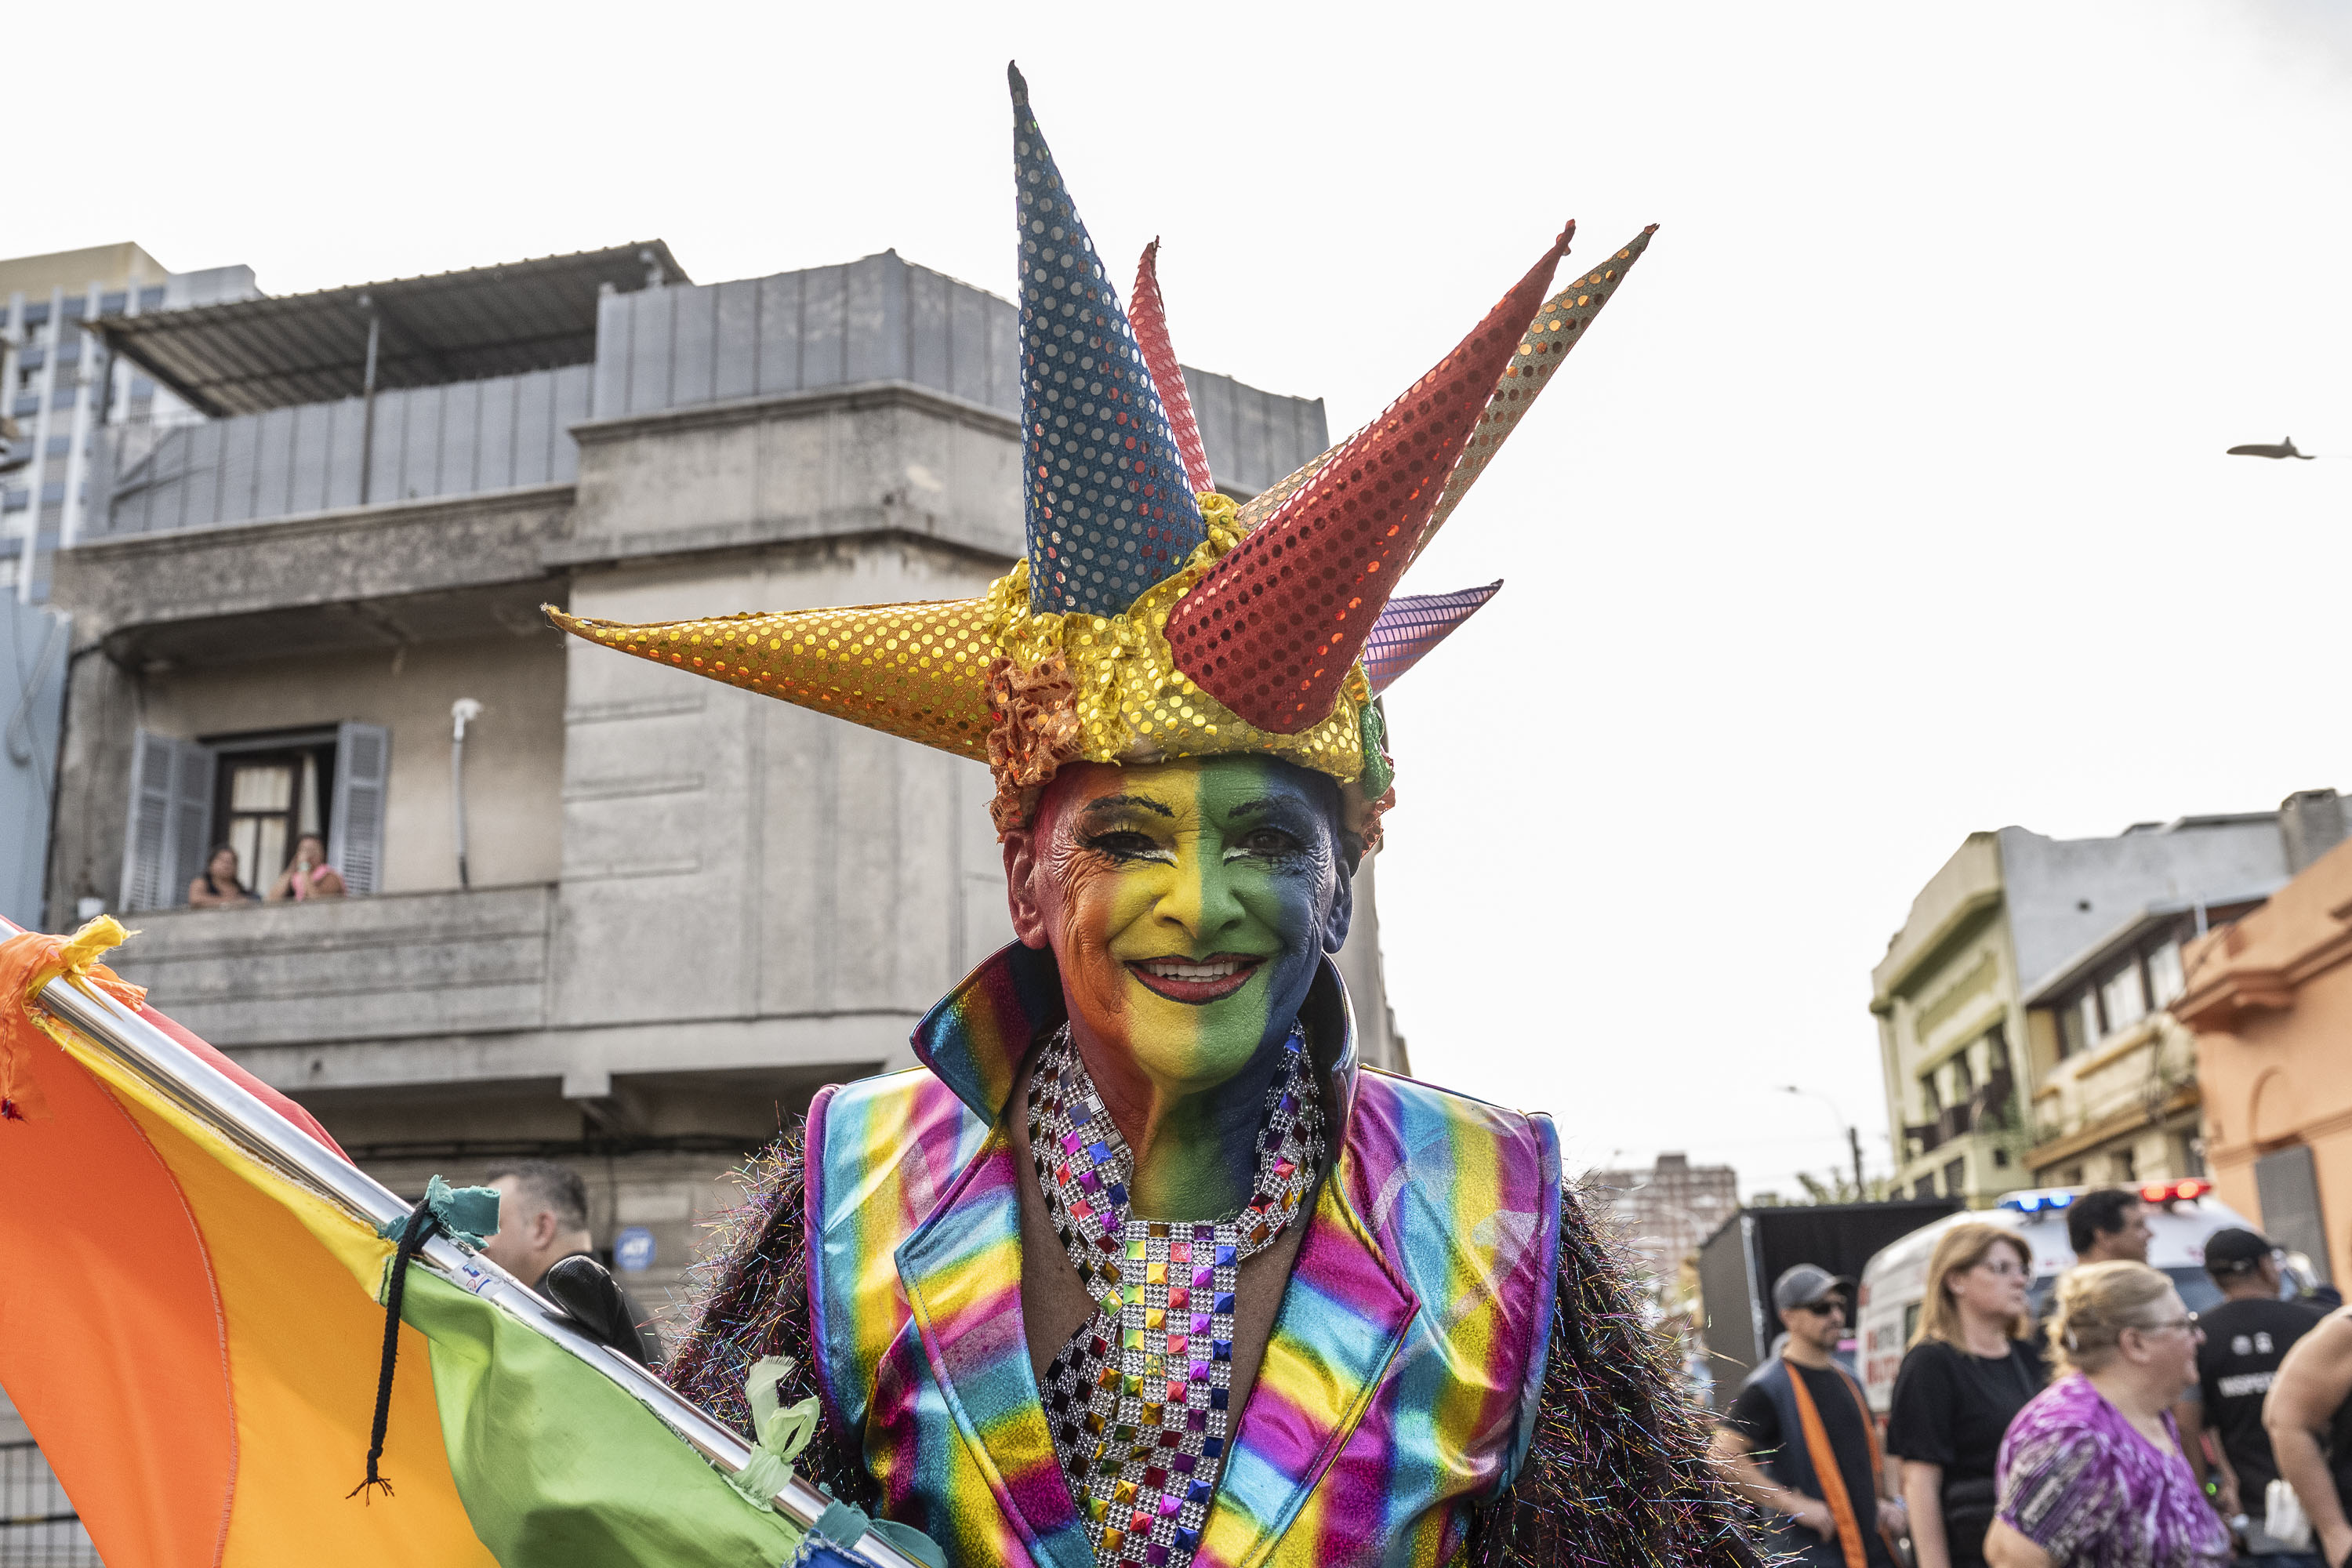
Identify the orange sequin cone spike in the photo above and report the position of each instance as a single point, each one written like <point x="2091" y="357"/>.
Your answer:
<point x="919" y="671"/>
<point x="1274" y="630"/>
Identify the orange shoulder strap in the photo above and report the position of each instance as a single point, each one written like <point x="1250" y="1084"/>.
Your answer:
<point x="1831" y="1478"/>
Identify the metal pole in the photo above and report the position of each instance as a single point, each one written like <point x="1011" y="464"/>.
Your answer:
<point x="1861" y="1193"/>
<point x="367" y="399"/>
<point x="255" y="1127"/>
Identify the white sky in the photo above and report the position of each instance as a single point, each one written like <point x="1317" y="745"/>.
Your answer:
<point x="1887" y="503"/>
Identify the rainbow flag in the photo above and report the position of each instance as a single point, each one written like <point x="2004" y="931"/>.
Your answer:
<point x="196" y="1341"/>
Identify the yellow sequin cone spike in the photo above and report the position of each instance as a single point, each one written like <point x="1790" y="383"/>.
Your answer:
<point x="919" y="671"/>
<point x="1557" y="329"/>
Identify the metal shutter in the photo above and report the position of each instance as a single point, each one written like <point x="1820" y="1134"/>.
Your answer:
<point x="355" y="830"/>
<point x="168" y="831"/>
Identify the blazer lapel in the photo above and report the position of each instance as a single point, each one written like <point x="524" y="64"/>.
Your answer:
<point x="962" y="1270"/>
<point x="1342" y="1317"/>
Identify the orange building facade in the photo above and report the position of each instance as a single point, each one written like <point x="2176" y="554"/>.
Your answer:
<point x="2270" y="998"/>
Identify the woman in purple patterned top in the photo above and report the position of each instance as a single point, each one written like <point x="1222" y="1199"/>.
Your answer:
<point x="2091" y="1473"/>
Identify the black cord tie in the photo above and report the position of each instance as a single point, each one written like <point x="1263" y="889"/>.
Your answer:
<point x="421" y="1223"/>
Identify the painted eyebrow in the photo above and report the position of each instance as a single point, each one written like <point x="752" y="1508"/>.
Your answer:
<point x="1104" y="805"/>
<point x="1269" y="805"/>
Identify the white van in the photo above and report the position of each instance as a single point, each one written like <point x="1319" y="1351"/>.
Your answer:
<point x="2181" y="1214"/>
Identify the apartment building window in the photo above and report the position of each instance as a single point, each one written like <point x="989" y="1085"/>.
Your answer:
<point x="114" y="304"/>
<point x="37" y="315"/>
<point x="266" y="798"/>
<point x="2126" y="1164"/>
<point x="1964" y="1078"/>
<point x="2165" y="979"/>
<point x="1956" y="1178"/>
<point x="1924" y="1188"/>
<point x="2123" y="999"/>
<point x="256" y="793"/>
<point x="152" y="299"/>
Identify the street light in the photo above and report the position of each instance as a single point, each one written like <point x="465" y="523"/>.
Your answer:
<point x="1852" y="1138"/>
<point x="2285" y="448"/>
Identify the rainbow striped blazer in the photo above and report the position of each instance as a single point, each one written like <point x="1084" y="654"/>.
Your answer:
<point x="1399" y="1385"/>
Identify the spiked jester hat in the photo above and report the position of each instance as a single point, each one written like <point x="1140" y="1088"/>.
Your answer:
<point x="1152" y="619"/>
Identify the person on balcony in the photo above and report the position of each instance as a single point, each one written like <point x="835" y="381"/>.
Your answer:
<point x="307" y="875"/>
<point x="219" y="885"/>
<point x="1142" y="1265"/>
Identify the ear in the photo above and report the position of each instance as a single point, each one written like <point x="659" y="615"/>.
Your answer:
<point x="1342" y="912"/>
<point x="1023" y="868"/>
<point x="542" y="1228"/>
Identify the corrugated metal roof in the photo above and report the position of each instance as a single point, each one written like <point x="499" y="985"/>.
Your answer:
<point x="251" y="355"/>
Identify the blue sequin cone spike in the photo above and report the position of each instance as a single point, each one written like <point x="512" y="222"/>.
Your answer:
<point x="1108" y="509"/>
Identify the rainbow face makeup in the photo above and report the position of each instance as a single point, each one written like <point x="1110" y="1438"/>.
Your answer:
<point x="1188" y="903"/>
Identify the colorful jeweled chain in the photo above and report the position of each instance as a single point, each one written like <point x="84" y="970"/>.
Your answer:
<point x="1138" y="1399"/>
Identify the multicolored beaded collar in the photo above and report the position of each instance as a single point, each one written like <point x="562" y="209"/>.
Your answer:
<point x="1138" y="1399"/>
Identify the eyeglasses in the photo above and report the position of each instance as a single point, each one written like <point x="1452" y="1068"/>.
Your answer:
<point x="1819" y="1308"/>
<point x="2187" y="1320"/>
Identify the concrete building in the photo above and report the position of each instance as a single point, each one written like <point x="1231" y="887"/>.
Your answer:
<point x="684" y="907"/>
<point x="1665" y="1212"/>
<point x="2270" y="1001"/>
<point x="61" y="387"/>
<point x="1983" y="1086"/>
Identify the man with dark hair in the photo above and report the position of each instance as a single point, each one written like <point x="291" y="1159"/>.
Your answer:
<point x="2246" y="1337"/>
<point x="543" y="1224"/>
<point x="2109" y="1225"/>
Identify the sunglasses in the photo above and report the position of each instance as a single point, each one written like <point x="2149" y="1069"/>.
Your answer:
<point x="1820" y="1308"/>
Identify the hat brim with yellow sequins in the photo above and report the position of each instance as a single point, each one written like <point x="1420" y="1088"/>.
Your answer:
<point x="1152" y="619"/>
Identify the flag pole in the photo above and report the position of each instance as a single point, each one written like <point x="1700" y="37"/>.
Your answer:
<point x="254" y="1126"/>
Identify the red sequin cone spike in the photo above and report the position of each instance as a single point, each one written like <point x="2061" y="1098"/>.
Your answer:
<point x="1272" y="632"/>
<point x="1148" y="314"/>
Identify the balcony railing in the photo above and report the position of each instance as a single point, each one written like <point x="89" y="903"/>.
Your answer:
<point x="400" y="966"/>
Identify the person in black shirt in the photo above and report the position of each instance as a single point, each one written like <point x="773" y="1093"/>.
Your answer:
<point x="1799" y="1442"/>
<point x="2246" y="1337"/>
<point x="1970" y="1369"/>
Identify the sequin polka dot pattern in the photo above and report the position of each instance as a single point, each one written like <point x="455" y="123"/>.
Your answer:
<point x="911" y="670"/>
<point x="1272" y="632"/>
<point x="1557" y="328"/>
<point x="1412" y="624"/>
<point x="1110" y="511"/>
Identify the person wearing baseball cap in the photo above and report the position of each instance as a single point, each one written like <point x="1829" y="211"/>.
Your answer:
<point x="1799" y="1441"/>
<point x="2246" y="1337"/>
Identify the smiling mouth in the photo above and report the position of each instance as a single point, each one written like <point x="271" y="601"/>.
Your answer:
<point x="1194" y="980"/>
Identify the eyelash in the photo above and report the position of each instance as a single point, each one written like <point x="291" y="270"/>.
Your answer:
<point x="1107" y="844"/>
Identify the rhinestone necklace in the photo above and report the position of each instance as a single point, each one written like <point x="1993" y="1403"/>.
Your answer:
<point x="1138" y="1399"/>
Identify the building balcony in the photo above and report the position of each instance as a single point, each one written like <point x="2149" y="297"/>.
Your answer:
<point x="404" y="965"/>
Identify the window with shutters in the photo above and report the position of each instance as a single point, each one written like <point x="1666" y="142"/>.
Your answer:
<point x="271" y="789"/>
<point x="255" y="794"/>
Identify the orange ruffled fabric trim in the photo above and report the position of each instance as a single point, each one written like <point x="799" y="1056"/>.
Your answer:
<point x="1035" y="731"/>
<point x="31" y="961"/>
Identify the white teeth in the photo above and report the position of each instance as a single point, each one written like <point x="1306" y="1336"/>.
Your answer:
<point x="1182" y="969"/>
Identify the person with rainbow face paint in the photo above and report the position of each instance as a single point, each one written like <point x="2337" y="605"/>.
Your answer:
<point x="1140" y="1265"/>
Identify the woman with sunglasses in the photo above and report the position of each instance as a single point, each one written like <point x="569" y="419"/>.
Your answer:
<point x="2092" y="1471"/>
<point x="1970" y="1369"/>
